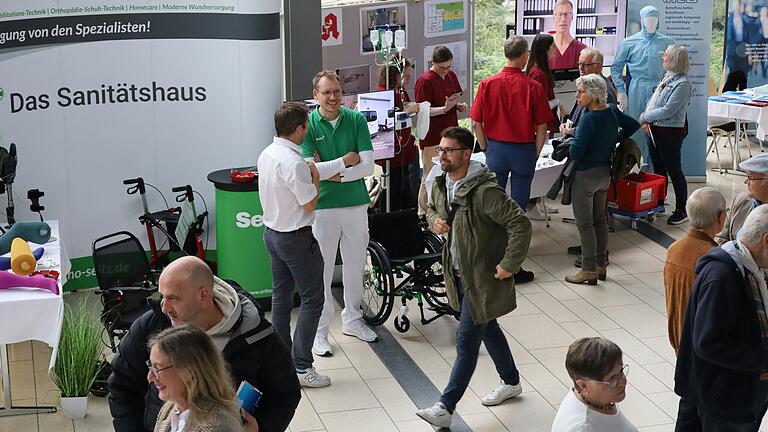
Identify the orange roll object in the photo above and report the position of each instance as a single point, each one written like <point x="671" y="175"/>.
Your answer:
<point x="22" y="260"/>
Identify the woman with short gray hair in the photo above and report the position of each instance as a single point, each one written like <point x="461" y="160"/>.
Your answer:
<point x="665" y="121"/>
<point x="592" y="147"/>
<point x="596" y="367"/>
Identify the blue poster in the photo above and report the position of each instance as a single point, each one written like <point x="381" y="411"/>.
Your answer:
<point x="689" y="23"/>
<point x="746" y="43"/>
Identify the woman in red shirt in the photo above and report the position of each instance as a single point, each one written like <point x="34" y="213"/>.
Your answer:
<point x="542" y="50"/>
<point x="437" y="85"/>
<point x="404" y="167"/>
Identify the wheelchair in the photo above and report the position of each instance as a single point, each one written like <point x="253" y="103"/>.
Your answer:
<point x="125" y="282"/>
<point x="402" y="248"/>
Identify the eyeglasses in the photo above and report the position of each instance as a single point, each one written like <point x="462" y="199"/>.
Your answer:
<point x="615" y="379"/>
<point x="443" y="68"/>
<point x="155" y="372"/>
<point x="562" y="14"/>
<point x="586" y="64"/>
<point x="448" y="150"/>
<point x="327" y="93"/>
<point x="749" y="179"/>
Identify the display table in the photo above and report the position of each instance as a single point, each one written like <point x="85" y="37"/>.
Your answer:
<point x="547" y="171"/>
<point x="738" y="113"/>
<point x="32" y="314"/>
<point x="240" y="250"/>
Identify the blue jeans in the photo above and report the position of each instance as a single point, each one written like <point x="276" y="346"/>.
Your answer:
<point x="468" y="341"/>
<point x="514" y="160"/>
<point x="296" y="264"/>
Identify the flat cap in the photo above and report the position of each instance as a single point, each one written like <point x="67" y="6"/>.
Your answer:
<point x="757" y="163"/>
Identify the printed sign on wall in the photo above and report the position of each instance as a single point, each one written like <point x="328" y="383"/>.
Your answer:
<point x="333" y="27"/>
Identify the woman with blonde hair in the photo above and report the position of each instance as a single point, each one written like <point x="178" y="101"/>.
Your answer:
<point x="665" y="122"/>
<point x="191" y="377"/>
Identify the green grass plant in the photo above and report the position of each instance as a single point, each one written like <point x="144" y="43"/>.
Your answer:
<point x="80" y="348"/>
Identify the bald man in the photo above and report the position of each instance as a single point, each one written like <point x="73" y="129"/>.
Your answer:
<point x="192" y="295"/>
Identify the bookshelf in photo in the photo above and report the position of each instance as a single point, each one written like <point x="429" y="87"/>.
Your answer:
<point x="596" y="23"/>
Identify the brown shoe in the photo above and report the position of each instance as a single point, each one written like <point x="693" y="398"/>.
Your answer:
<point x="601" y="273"/>
<point x="590" y="277"/>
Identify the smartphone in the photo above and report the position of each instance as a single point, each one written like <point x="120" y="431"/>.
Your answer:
<point x="248" y="397"/>
<point x="456" y="95"/>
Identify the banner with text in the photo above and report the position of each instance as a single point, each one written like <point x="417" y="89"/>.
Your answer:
<point x="689" y="23"/>
<point x="95" y="94"/>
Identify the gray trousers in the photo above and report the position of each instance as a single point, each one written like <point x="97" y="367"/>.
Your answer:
<point x="589" y="195"/>
<point x="297" y="264"/>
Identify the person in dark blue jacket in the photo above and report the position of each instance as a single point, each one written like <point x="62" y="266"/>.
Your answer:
<point x="595" y="140"/>
<point x="722" y="362"/>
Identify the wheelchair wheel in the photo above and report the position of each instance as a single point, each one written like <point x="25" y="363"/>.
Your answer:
<point x="402" y="324"/>
<point x="378" y="285"/>
<point x="435" y="295"/>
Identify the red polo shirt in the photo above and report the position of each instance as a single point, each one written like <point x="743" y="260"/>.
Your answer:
<point x="433" y="88"/>
<point x="541" y="77"/>
<point x="510" y="105"/>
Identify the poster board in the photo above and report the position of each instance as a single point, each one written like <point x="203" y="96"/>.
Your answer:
<point x="596" y="23"/>
<point x="349" y="53"/>
<point x="109" y="90"/>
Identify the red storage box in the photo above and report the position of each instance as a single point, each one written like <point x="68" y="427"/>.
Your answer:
<point x="638" y="192"/>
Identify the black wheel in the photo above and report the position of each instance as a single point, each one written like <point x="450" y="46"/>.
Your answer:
<point x="434" y="279"/>
<point x="402" y="324"/>
<point x="378" y="285"/>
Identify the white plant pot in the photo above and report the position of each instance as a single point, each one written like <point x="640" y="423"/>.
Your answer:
<point x="74" y="407"/>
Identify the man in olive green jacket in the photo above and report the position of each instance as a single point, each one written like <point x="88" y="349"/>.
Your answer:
<point x="488" y="239"/>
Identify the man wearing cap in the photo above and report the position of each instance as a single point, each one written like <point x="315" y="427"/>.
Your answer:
<point x="743" y="203"/>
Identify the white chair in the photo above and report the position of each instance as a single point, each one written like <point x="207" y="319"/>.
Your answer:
<point x="720" y="127"/>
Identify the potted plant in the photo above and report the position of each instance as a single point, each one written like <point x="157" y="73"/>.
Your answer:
<point x="77" y="361"/>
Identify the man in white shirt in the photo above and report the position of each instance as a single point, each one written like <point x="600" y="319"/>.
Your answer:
<point x="289" y="188"/>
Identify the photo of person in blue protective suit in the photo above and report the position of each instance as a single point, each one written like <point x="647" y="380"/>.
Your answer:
<point x="641" y="54"/>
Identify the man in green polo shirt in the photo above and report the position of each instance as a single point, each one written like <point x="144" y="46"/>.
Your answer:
<point x="335" y="131"/>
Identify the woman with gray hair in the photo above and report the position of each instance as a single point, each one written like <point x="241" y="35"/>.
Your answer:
<point x="596" y="366"/>
<point x="594" y="142"/>
<point x="665" y="122"/>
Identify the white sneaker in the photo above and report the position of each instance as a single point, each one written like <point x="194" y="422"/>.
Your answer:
<point x="321" y="347"/>
<point x="359" y="330"/>
<point x="436" y="415"/>
<point x="535" y="214"/>
<point x="312" y="379"/>
<point x="501" y="393"/>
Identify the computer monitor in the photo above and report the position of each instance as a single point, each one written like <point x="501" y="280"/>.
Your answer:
<point x="379" y="111"/>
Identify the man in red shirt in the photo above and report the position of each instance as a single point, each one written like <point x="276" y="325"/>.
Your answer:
<point x="509" y="117"/>
<point x="440" y="87"/>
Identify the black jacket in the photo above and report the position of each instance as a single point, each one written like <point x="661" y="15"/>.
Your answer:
<point x="721" y="352"/>
<point x="255" y="353"/>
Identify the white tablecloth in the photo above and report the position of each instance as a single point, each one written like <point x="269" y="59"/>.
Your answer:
<point x="748" y="113"/>
<point x="35" y="314"/>
<point x="547" y="171"/>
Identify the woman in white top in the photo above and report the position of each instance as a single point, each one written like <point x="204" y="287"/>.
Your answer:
<point x="599" y="382"/>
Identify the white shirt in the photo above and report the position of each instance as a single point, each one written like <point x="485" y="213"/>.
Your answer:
<point x="285" y="184"/>
<point x="179" y="420"/>
<point x="574" y="416"/>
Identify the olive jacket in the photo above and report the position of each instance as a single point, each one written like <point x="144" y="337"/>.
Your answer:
<point x="488" y="228"/>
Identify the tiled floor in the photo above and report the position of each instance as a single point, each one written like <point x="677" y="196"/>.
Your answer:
<point x="628" y="308"/>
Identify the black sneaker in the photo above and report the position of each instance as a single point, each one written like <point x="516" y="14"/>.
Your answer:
<point x="678" y="217"/>
<point x="523" y="276"/>
<point x="574" y="250"/>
